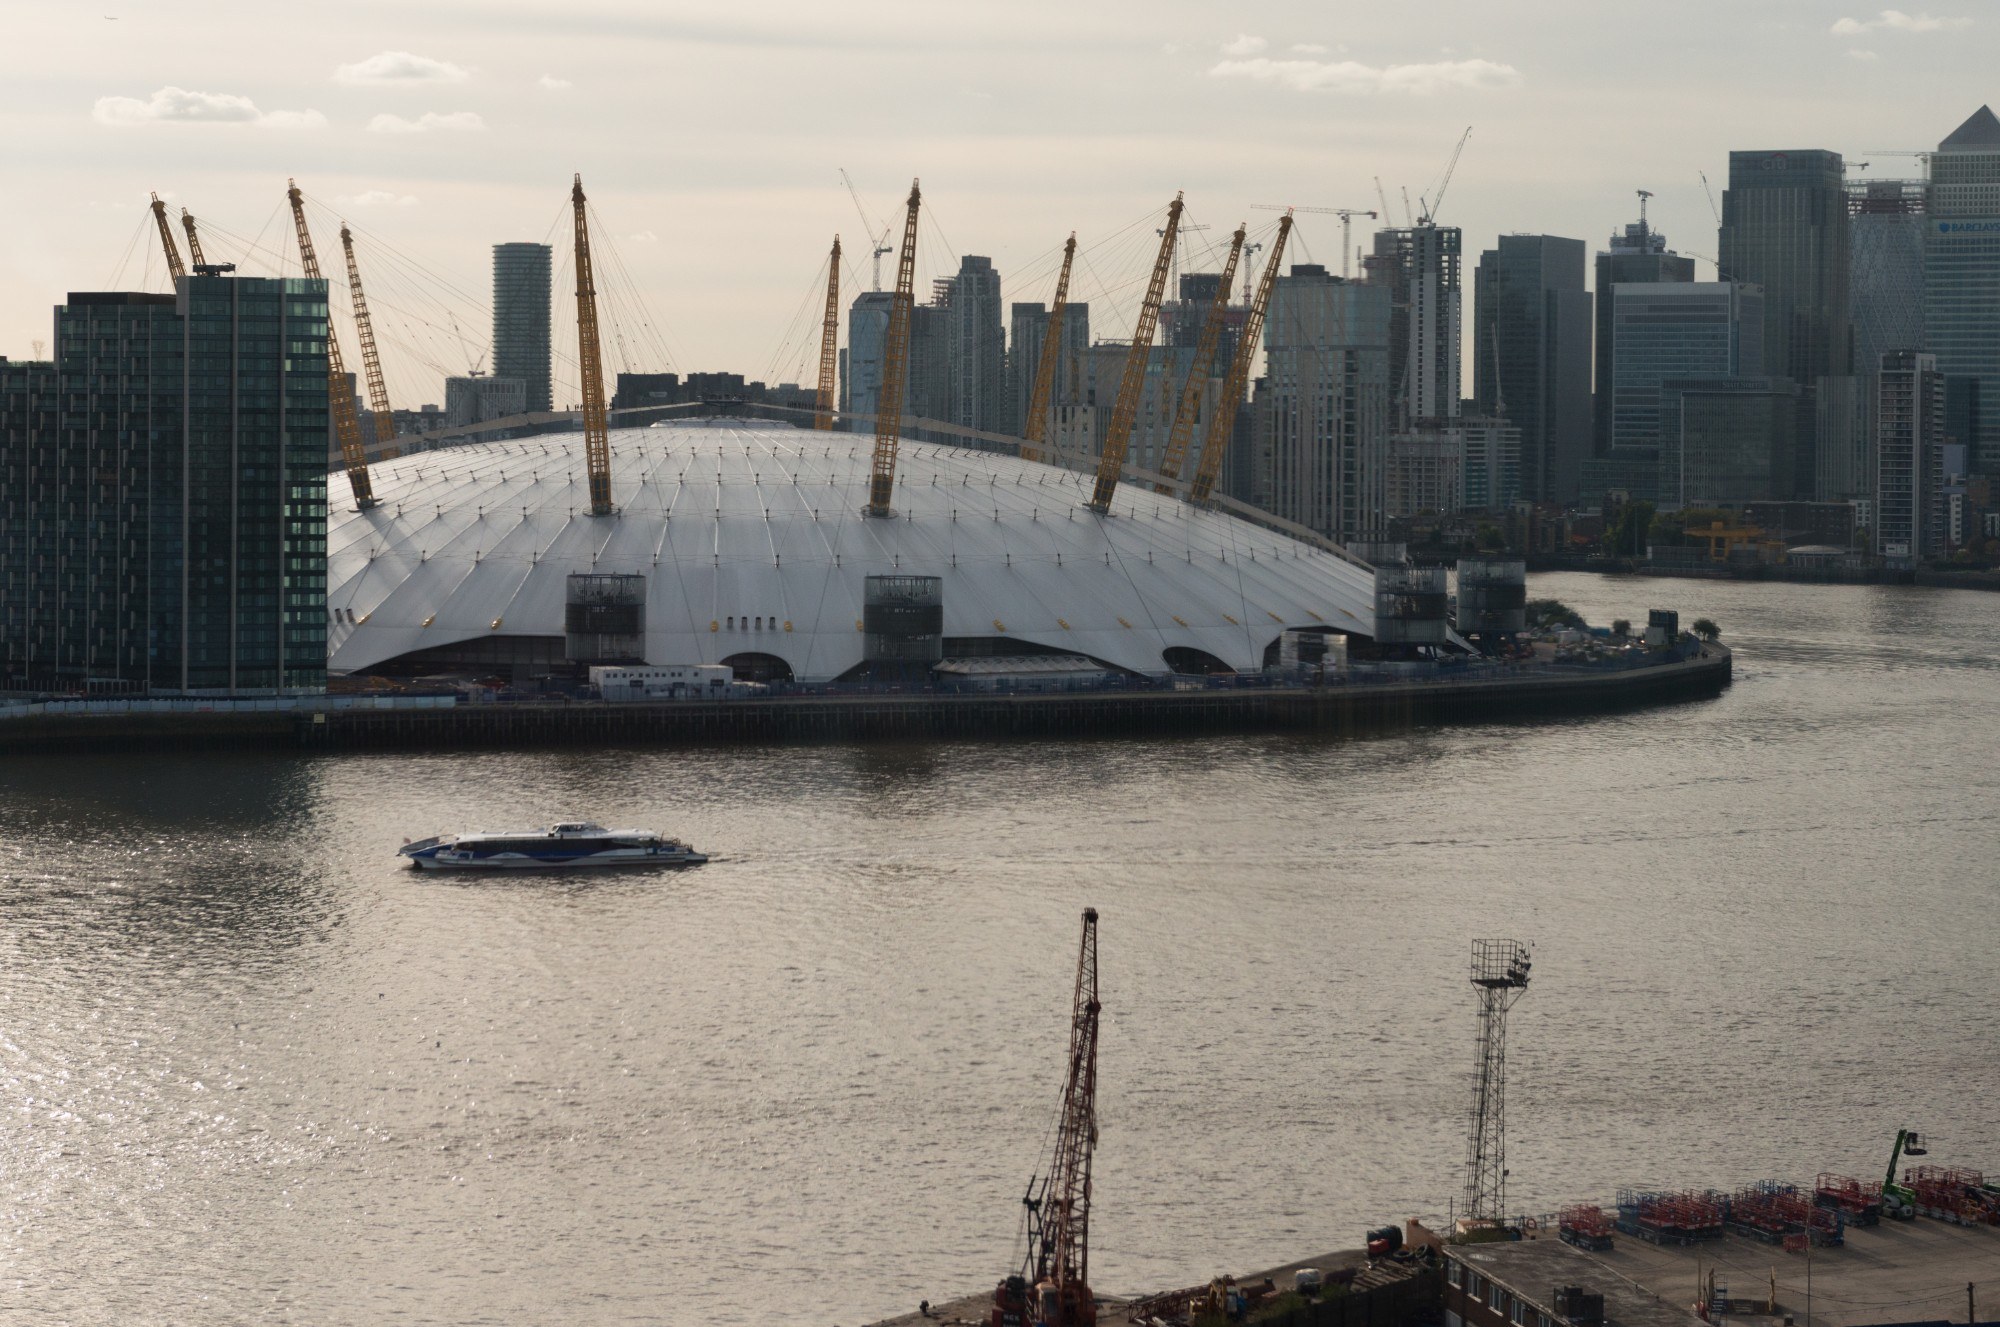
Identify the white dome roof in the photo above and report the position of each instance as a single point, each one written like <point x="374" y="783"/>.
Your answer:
<point x="761" y="523"/>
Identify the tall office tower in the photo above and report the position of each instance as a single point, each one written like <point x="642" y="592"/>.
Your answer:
<point x="1638" y="257"/>
<point x="1029" y="326"/>
<point x="521" y="295"/>
<point x="1727" y="441"/>
<point x="1909" y="455"/>
<point x="1420" y="266"/>
<point x="926" y="382"/>
<point x="1531" y="356"/>
<point x="1322" y="410"/>
<point x="977" y="349"/>
<point x="1886" y="271"/>
<point x="1785" y="228"/>
<point x="174" y="505"/>
<point x="1962" y="284"/>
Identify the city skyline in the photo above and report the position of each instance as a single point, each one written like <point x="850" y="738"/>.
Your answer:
<point x="447" y="141"/>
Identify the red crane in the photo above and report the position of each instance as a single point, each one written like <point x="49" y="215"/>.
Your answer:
<point x="1053" y="1287"/>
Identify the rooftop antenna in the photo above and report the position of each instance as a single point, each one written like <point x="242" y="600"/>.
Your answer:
<point x="1499" y="976"/>
<point x="1644" y="194"/>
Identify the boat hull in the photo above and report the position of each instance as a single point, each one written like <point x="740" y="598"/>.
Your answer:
<point x="511" y="862"/>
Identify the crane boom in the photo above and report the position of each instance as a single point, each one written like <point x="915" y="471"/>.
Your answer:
<point x="1197" y="378"/>
<point x="879" y="243"/>
<point x="895" y="368"/>
<point x="1432" y="206"/>
<point x="829" y="343"/>
<point x="596" y="426"/>
<point x="1060" y="1258"/>
<point x="1118" y="437"/>
<point x="340" y="400"/>
<point x="1222" y="419"/>
<point x="364" y="332"/>
<point x="174" y="268"/>
<point x="1034" y="429"/>
<point x="194" y="240"/>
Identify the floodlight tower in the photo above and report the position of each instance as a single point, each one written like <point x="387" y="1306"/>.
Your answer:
<point x="1500" y="976"/>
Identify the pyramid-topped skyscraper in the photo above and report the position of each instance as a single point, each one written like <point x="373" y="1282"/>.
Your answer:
<point x="1962" y="284"/>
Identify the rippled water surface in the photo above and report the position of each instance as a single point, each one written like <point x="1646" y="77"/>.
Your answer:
<point x="256" y="1072"/>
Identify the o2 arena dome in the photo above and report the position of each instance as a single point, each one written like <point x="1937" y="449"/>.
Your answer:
<point x="751" y="550"/>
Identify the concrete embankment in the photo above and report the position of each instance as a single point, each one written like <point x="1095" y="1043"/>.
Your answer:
<point x="1337" y="710"/>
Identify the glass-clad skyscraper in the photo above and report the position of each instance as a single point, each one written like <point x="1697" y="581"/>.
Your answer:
<point x="521" y="306"/>
<point x="165" y="525"/>
<point x="1962" y="284"/>
<point x="1785" y="228"/>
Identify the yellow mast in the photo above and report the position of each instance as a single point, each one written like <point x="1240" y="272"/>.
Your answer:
<point x="1034" y="429"/>
<point x="174" y="268"/>
<point x="829" y="343"/>
<point x="194" y="240"/>
<point x="596" y="426"/>
<point x="371" y="363"/>
<point x="340" y="401"/>
<point x="1118" y="437"/>
<point x="1197" y="378"/>
<point x="1223" y="418"/>
<point x="895" y="369"/>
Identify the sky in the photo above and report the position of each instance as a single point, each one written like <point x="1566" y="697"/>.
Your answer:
<point x="711" y="138"/>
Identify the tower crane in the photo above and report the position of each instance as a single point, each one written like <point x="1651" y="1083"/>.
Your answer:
<point x="194" y="240"/>
<point x="1432" y="205"/>
<point x="1384" y="198"/>
<point x="895" y="368"/>
<point x="371" y="363"/>
<point x="1034" y="429"/>
<point x="1346" y="215"/>
<point x="1644" y="194"/>
<point x="174" y="268"/>
<point x="590" y="366"/>
<point x="879" y="243"/>
<point x="1709" y="190"/>
<point x="1222" y="419"/>
<point x="340" y="400"/>
<point x="829" y="343"/>
<point x="1118" y="437"/>
<point x="1197" y="378"/>
<point x="1053" y="1287"/>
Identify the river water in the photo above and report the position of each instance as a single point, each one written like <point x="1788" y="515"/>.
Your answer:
<point x="254" y="1071"/>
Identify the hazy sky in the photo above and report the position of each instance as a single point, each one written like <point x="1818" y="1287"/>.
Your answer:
<point x="709" y="136"/>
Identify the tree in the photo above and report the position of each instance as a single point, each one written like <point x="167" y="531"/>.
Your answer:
<point x="1705" y="628"/>
<point x="1490" y="538"/>
<point x="1629" y="530"/>
<point x="1621" y="626"/>
<point x="1547" y="613"/>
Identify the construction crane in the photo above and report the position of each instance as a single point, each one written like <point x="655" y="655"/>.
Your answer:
<point x="1644" y="194"/>
<point x="895" y="368"/>
<point x="590" y="366"/>
<point x="881" y="242"/>
<point x="174" y="268"/>
<point x="371" y="363"/>
<point x="1900" y="1201"/>
<point x="194" y="240"/>
<point x="1222" y="419"/>
<point x="1053" y="1287"/>
<point x="340" y="398"/>
<point x="1434" y="203"/>
<point x="1249" y="251"/>
<point x="1119" y="435"/>
<point x="1034" y="429"/>
<point x="1384" y="197"/>
<point x="1711" y="196"/>
<point x="1346" y="215"/>
<point x="829" y="343"/>
<point x="1197" y="378"/>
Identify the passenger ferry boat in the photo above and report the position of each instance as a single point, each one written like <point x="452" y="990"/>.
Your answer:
<point x="573" y="843"/>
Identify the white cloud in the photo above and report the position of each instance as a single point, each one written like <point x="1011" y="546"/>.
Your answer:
<point x="554" y="84"/>
<point x="1245" y="44"/>
<point x="376" y="198"/>
<point x="1306" y="48"/>
<point x="1895" y="20"/>
<point x="1855" y="53"/>
<point x="178" y="105"/>
<point x="1352" y="77"/>
<point x="400" y="67"/>
<point x="459" y="121"/>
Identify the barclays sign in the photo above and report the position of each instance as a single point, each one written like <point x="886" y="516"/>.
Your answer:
<point x="1968" y="227"/>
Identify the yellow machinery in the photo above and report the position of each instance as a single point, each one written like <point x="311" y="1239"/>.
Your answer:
<point x="1034" y="429"/>
<point x="1197" y="378"/>
<point x="340" y="401"/>
<point x="194" y="240"/>
<point x="174" y="268"/>
<point x="829" y="343"/>
<point x="895" y="369"/>
<point x="1118" y="437"/>
<point x="1222" y="419"/>
<point x="1722" y="540"/>
<point x="596" y="424"/>
<point x="371" y="363"/>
